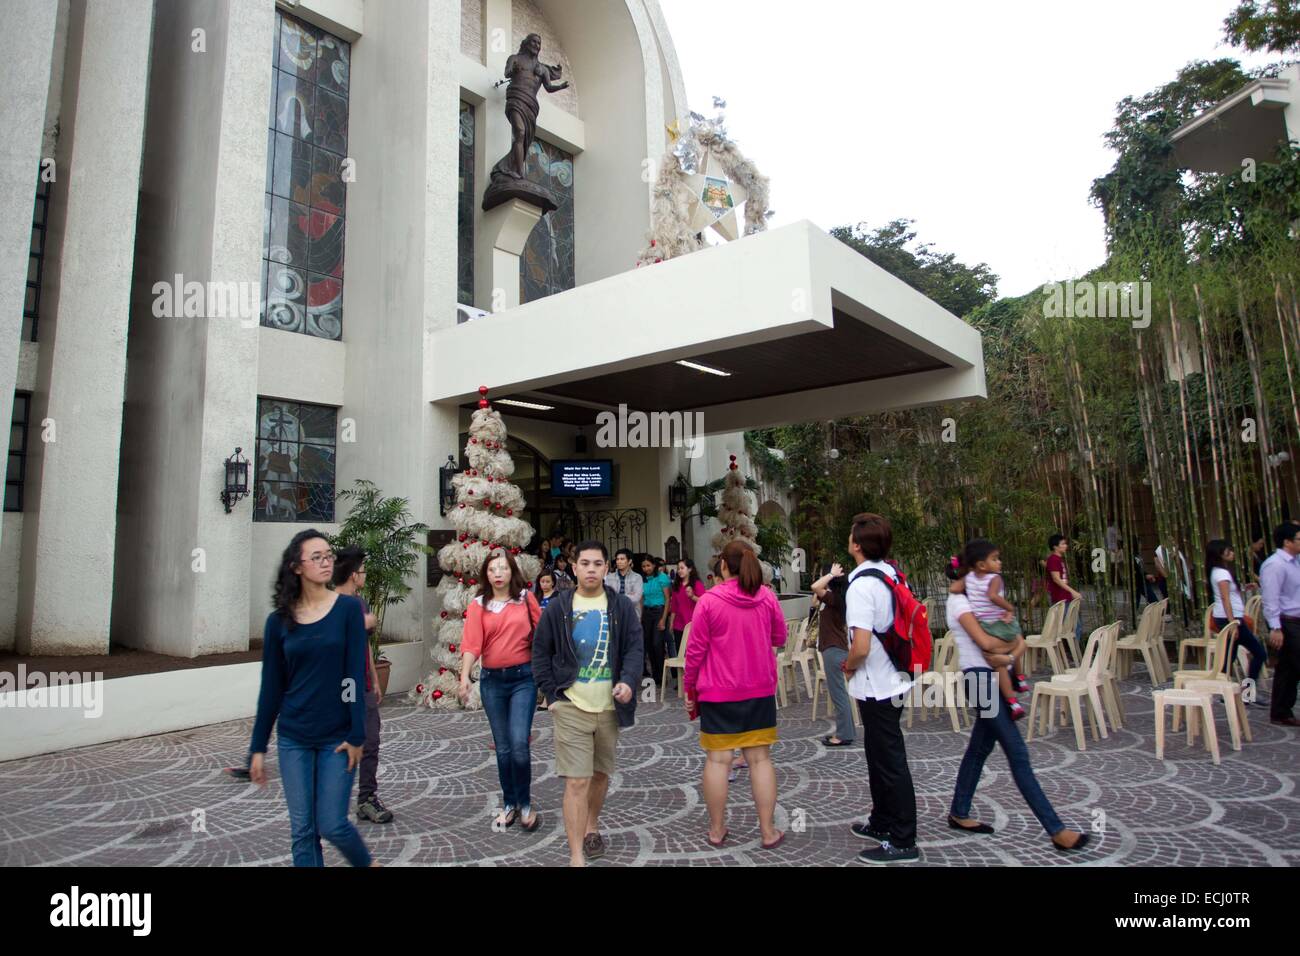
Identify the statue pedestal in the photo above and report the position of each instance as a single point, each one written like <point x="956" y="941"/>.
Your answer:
<point x="508" y="226"/>
<point x="503" y="189"/>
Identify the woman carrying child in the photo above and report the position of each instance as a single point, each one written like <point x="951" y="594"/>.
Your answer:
<point x="981" y="566"/>
<point x="980" y="655"/>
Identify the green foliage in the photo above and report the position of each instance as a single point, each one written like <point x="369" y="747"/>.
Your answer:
<point x="1272" y="25"/>
<point x="955" y="286"/>
<point x="1143" y="197"/>
<point x="393" y="543"/>
<point x="773" y="539"/>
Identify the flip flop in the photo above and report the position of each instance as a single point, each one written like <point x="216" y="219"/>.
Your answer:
<point x="537" y="822"/>
<point x="510" y="819"/>
<point x="843" y="743"/>
<point x="718" y="845"/>
<point x="774" y="844"/>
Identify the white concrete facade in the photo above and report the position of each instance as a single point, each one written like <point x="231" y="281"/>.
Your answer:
<point x="124" y="538"/>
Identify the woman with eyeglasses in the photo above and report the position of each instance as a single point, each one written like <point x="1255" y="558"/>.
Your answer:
<point x="313" y="682"/>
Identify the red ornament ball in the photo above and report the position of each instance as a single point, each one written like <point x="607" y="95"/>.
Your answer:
<point x="442" y="670"/>
<point x="442" y="614"/>
<point x="510" y="511"/>
<point x="482" y="403"/>
<point x="437" y="695"/>
<point x="452" y="648"/>
<point x="482" y="389"/>
<point x="419" y="688"/>
<point x="473" y="441"/>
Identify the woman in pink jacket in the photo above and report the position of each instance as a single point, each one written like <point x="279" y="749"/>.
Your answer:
<point x="731" y="673"/>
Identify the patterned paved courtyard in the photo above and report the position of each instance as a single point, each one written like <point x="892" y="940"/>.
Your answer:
<point x="140" y="802"/>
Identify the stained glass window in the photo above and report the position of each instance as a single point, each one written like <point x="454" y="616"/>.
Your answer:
<point x="17" y="471"/>
<point x="465" y="209"/>
<point x="307" y="141"/>
<point x="546" y="266"/>
<point x="295" y="461"/>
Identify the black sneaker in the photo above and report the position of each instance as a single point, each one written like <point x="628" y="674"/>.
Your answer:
<point x="374" y="811"/>
<point x="864" y="831"/>
<point x="888" y="853"/>
<point x="239" y="773"/>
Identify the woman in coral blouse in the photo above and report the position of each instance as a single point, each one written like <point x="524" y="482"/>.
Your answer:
<point x="499" y="627"/>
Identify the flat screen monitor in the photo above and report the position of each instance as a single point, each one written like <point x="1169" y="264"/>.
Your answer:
<point x="582" y="478"/>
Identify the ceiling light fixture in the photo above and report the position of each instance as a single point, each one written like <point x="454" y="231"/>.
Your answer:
<point x="519" y="404"/>
<point x="702" y="368"/>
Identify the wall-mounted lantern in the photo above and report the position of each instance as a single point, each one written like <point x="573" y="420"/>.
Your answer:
<point x="677" y="497"/>
<point x="446" y="490"/>
<point x="236" y="479"/>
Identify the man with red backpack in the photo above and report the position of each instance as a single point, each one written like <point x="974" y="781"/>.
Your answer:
<point x="885" y="625"/>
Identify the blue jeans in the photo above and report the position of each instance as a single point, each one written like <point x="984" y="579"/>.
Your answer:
<point x="994" y="725"/>
<point x="839" y="691"/>
<point x="317" y="786"/>
<point x="510" y="700"/>
<point x="1245" y="638"/>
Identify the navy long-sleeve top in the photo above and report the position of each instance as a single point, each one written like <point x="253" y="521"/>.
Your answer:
<point x="314" y="678"/>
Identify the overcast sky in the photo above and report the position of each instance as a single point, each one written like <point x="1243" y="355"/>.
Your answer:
<point x="982" y="121"/>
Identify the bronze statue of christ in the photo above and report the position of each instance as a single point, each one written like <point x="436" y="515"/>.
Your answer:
<point x="526" y="74"/>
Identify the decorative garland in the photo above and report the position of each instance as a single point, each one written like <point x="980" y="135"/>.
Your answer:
<point x="671" y="234"/>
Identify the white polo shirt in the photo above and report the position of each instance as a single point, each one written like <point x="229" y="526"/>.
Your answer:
<point x="869" y="605"/>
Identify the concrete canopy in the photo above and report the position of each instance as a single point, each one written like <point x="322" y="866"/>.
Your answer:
<point x="806" y="327"/>
<point x="1249" y="124"/>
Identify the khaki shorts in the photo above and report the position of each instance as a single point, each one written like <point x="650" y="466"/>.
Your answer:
<point x="584" y="742"/>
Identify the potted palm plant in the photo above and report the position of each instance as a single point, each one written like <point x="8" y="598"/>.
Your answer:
<point x="393" y="543"/>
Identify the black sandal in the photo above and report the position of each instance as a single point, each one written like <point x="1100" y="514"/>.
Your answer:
<point x="537" y="822"/>
<point x="511" y="816"/>
<point x="843" y="743"/>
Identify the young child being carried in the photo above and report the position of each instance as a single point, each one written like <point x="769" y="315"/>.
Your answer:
<point x="981" y="563"/>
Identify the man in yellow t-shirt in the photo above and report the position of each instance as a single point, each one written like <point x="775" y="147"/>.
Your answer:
<point x="587" y="657"/>
<point x="593" y="691"/>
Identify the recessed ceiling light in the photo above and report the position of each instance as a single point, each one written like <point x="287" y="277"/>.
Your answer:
<point x="519" y="404"/>
<point x="702" y="368"/>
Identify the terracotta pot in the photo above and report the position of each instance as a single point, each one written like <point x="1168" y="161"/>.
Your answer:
<point x="382" y="669"/>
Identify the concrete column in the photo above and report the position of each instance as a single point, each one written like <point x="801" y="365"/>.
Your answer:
<point x="229" y="384"/>
<point x="506" y="229"/>
<point x="26" y="61"/>
<point x="401" y="263"/>
<point x="69" y="530"/>
<point x="1291" y="115"/>
<point x="493" y="142"/>
<point x="182" y="584"/>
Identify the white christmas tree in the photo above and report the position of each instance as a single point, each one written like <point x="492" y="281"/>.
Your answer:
<point x="485" y="518"/>
<point x="736" y="513"/>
